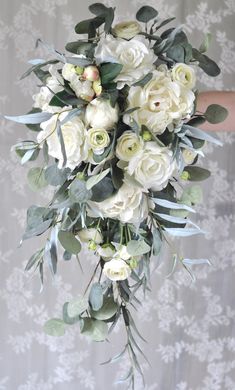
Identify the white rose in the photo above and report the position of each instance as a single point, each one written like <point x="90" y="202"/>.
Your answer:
<point x="74" y="139"/>
<point x="116" y="270"/>
<point x="129" y="204"/>
<point x="90" y="234"/>
<point x="127" y="30"/>
<point x="100" y="114"/>
<point x="153" y="167"/>
<point x="135" y="55"/>
<point x="97" y="140"/>
<point x="128" y="145"/>
<point x="161" y="101"/>
<point x="184" y="74"/>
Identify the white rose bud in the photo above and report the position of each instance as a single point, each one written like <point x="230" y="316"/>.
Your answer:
<point x="90" y="234"/>
<point x="97" y="140"/>
<point x="100" y="114"/>
<point x="127" y="30"/>
<point x="184" y="74"/>
<point x="189" y="156"/>
<point x="128" y="146"/>
<point x="116" y="269"/>
<point x="91" y="73"/>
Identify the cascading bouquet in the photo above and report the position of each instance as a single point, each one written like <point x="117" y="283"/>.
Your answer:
<point x="116" y="124"/>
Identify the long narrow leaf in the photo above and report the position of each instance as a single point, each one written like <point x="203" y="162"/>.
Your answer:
<point x="172" y="205"/>
<point x="177" y="232"/>
<point x="198" y="133"/>
<point x="196" y="261"/>
<point x="62" y="145"/>
<point x="177" y="220"/>
<point x="30" y="119"/>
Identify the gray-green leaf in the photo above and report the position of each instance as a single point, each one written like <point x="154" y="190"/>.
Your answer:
<point x="54" y="327"/>
<point x="96" y="296"/>
<point x="69" y="242"/>
<point x="36" y="178"/>
<point x="146" y="13"/>
<point x="107" y="311"/>
<point x="216" y="113"/>
<point x="137" y="247"/>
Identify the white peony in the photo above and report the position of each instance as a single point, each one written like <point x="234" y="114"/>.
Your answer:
<point x="184" y="74"/>
<point x="127" y="29"/>
<point x="82" y="88"/>
<point x="116" y="269"/>
<point x="161" y="101"/>
<point x="153" y="167"/>
<point x="74" y="139"/>
<point x="135" y="55"/>
<point x="129" y="204"/>
<point x="100" y="114"/>
<point x="128" y="145"/>
<point x="90" y="234"/>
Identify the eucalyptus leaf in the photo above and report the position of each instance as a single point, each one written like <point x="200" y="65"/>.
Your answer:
<point x="38" y="229"/>
<point x="102" y="190"/>
<point x="66" y="318"/>
<point x="172" y="205"/>
<point x="37" y="117"/>
<point x="107" y="311"/>
<point x="206" y="43"/>
<point x="197" y="173"/>
<point x="84" y="26"/>
<point x="78" y="191"/>
<point x="79" y="47"/>
<point x="54" y="327"/>
<point x="96" y="329"/>
<point x="79" y="61"/>
<point x="216" y="113"/>
<point x="34" y="259"/>
<point x="183" y="232"/>
<point x="198" y="133"/>
<point x="93" y="180"/>
<point x="146" y="13"/>
<point x="98" y="9"/>
<point x="108" y="71"/>
<point x="55" y="176"/>
<point x="137" y="247"/>
<point x="77" y="306"/>
<point x="36" y="178"/>
<point x="157" y="241"/>
<point x="196" y="261"/>
<point x="29" y="155"/>
<point x="141" y="83"/>
<point x="206" y="63"/>
<point x="69" y="242"/>
<point x="96" y="296"/>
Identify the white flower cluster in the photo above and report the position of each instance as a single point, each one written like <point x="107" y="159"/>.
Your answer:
<point x="163" y="102"/>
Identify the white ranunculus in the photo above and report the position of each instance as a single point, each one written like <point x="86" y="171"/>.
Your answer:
<point x="184" y="74"/>
<point x="153" y="167"/>
<point x="97" y="140"/>
<point x="100" y="114"/>
<point x="90" y="234"/>
<point x="74" y="139"/>
<point x="128" y="145"/>
<point x="129" y="204"/>
<point x="127" y="29"/>
<point x="116" y="269"/>
<point x="161" y="101"/>
<point x="135" y="55"/>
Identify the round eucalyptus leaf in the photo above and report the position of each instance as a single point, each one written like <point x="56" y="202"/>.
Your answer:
<point x="36" y="178"/>
<point x="77" y="306"/>
<point x="96" y="329"/>
<point x="146" y="13"/>
<point x="69" y="242"/>
<point x="54" y="327"/>
<point x="216" y="113"/>
<point x="107" y="311"/>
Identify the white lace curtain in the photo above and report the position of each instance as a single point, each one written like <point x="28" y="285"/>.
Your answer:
<point x="189" y="327"/>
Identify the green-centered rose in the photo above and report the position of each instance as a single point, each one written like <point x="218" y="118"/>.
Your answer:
<point x="184" y="74"/>
<point x="116" y="269"/>
<point x="128" y="146"/>
<point x="127" y="29"/>
<point x="97" y="140"/>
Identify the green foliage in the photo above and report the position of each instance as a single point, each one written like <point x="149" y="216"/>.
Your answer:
<point x="108" y="71"/>
<point x="36" y="178"/>
<point x="77" y="306"/>
<point x="137" y="247"/>
<point x="197" y="173"/>
<point x="216" y="113"/>
<point x="69" y="242"/>
<point x="96" y="296"/>
<point x="93" y="180"/>
<point x="206" y="43"/>
<point x="143" y="81"/>
<point x="95" y="329"/>
<point x="102" y="190"/>
<point x="107" y="311"/>
<point x="54" y="327"/>
<point x="78" y="191"/>
<point x="208" y="65"/>
<point x="67" y="319"/>
<point x="55" y="176"/>
<point x="146" y="13"/>
<point x="80" y="47"/>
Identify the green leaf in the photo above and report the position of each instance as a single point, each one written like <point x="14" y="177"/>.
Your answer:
<point x="97" y="9"/>
<point x="77" y="306"/>
<point x="107" y="311"/>
<point x="108" y="71"/>
<point x="117" y="176"/>
<point x="177" y="53"/>
<point x="36" y="178"/>
<point x="143" y="81"/>
<point x="78" y="191"/>
<point x="197" y="173"/>
<point x="137" y="247"/>
<point x="102" y="190"/>
<point x="78" y="47"/>
<point x="206" y="64"/>
<point x="96" y="296"/>
<point x="216" y="113"/>
<point x="37" y="117"/>
<point x="67" y="319"/>
<point x="54" y="327"/>
<point x="146" y="13"/>
<point x="109" y="16"/>
<point x="206" y="43"/>
<point x="93" y="180"/>
<point x="69" y="242"/>
<point x="63" y="98"/>
<point x="193" y="194"/>
<point x="97" y="330"/>
<point x="34" y="259"/>
<point x="29" y="155"/>
<point x="84" y="26"/>
<point x="37" y="66"/>
<point x="157" y="241"/>
<point x="55" y="176"/>
<point x="79" y="61"/>
<point x="37" y="230"/>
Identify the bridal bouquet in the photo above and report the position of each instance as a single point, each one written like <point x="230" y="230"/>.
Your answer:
<point x="116" y="124"/>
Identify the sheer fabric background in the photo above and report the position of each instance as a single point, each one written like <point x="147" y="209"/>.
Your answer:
<point x="189" y="327"/>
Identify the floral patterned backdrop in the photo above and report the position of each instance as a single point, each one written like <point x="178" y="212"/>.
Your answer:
<point x="190" y="327"/>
